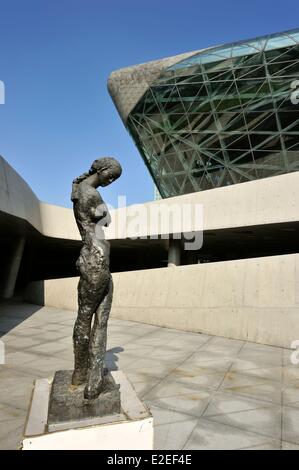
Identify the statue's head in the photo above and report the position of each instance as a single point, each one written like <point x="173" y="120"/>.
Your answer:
<point x="107" y="168"/>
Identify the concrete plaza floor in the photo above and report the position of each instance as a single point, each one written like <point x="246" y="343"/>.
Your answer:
<point x="205" y="392"/>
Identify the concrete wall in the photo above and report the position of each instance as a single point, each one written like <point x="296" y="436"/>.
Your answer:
<point x="16" y="197"/>
<point x="250" y="299"/>
<point x="267" y="201"/>
<point x="58" y="222"/>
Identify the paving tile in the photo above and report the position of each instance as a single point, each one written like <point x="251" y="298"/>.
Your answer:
<point x="19" y="358"/>
<point x="148" y="373"/>
<point x="224" y="403"/>
<point x="119" y="340"/>
<point x="287" y="357"/>
<point x="153" y="352"/>
<point x="219" y="359"/>
<point x="206" y="366"/>
<point x="18" y="396"/>
<point x="154" y="364"/>
<point x="170" y="436"/>
<point x="45" y="366"/>
<point x="49" y="348"/>
<point x="221" y="341"/>
<point x="264" y="357"/>
<point x="176" y="339"/>
<point x="205" y="392"/>
<point x="121" y="361"/>
<point x="270" y="373"/>
<point x="8" y="412"/>
<point x="290" y="424"/>
<point x="252" y="387"/>
<point x="290" y="394"/>
<point x="290" y="374"/>
<point x="67" y="340"/>
<point x="208" y="435"/>
<point x="187" y="344"/>
<point x="144" y="352"/>
<point x="52" y="327"/>
<point x="243" y="364"/>
<point x="271" y="445"/>
<point x="17" y="384"/>
<point x="266" y="421"/>
<point x="172" y="428"/>
<point x="167" y="416"/>
<point x="220" y="351"/>
<point x="13" y="372"/>
<point x="24" y="342"/>
<point x="11" y="434"/>
<point x="192" y="404"/>
<point x="235" y="379"/>
<point x="168" y="387"/>
<point x="194" y="376"/>
<point x="142" y="388"/>
<point x="48" y="336"/>
<point x="140" y="329"/>
<point x="12" y="441"/>
<point x="223" y="345"/>
<point x="28" y="331"/>
<point x="141" y="376"/>
<point x="289" y="446"/>
<point x="164" y="354"/>
<point x="145" y="372"/>
<point x="262" y="348"/>
<point x="66" y="354"/>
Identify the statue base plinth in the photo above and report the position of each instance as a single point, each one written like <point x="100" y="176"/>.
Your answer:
<point x="50" y="427"/>
<point x="67" y="404"/>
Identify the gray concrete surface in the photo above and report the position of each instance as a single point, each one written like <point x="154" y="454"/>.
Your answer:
<point x="271" y="200"/>
<point x="253" y="299"/>
<point x="206" y="392"/>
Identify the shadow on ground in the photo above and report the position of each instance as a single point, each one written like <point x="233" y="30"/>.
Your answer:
<point x="11" y="316"/>
<point x="111" y="358"/>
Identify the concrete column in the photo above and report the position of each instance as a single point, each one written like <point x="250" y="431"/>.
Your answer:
<point x="174" y="253"/>
<point x="13" y="267"/>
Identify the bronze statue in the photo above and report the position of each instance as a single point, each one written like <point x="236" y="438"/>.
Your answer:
<point x="95" y="288"/>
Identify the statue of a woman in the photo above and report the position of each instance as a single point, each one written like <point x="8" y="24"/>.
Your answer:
<point x="95" y="288"/>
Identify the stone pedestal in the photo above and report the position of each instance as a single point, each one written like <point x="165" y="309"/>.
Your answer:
<point x="67" y="404"/>
<point x="129" y="429"/>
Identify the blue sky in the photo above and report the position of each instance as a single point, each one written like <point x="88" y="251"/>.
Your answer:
<point x="56" y="56"/>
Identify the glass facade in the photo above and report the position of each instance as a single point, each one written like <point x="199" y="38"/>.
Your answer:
<point x="223" y="116"/>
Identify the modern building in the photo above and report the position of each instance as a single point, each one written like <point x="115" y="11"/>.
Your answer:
<point x="214" y="117"/>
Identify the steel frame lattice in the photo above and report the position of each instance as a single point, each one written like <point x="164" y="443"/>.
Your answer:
<point x="222" y="116"/>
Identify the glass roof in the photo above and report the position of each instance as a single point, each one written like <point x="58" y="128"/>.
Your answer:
<point x="226" y="115"/>
<point x="241" y="48"/>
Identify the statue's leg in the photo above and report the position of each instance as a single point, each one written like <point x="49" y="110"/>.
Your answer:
<point x="98" y="342"/>
<point x="87" y="303"/>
